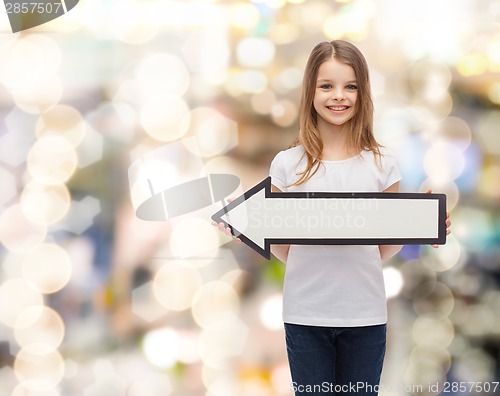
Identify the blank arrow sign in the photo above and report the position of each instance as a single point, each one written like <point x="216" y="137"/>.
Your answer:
<point x="261" y="217"/>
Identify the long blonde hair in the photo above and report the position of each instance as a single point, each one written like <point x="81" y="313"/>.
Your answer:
<point x="360" y="132"/>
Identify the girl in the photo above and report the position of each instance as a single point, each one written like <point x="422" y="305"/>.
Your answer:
<point x="334" y="304"/>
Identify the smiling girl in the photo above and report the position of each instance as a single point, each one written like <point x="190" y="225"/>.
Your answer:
<point x="334" y="304"/>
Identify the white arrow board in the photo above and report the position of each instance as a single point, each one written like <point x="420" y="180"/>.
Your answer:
<point x="261" y="217"/>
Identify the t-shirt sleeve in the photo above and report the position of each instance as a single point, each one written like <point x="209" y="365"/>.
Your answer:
<point x="391" y="169"/>
<point x="277" y="171"/>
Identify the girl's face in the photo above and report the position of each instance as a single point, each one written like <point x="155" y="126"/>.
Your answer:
<point x="336" y="93"/>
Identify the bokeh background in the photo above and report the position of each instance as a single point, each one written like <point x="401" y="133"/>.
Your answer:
<point x="94" y="301"/>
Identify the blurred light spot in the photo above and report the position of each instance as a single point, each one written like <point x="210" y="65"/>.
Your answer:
<point x="48" y="267"/>
<point x="222" y="341"/>
<point x="446" y="256"/>
<point x="225" y="164"/>
<point x="474" y="365"/>
<point x="494" y="93"/>
<point x="474" y="161"/>
<point x="251" y="81"/>
<point x="468" y="284"/>
<point x="430" y="80"/>
<point x="453" y="130"/>
<point x="145" y="305"/>
<point x="52" y="160"/>
<point x="188" y="347"/>
<point x="423" y="113"/>
<point x="219" y="382"/>
<point x="487" y="132"/>
<point x="39" y="325"/>
<point x="493" y="51"/>
<point x="214" y="302"/>
<point x="17" y="232"/>
<point x="414" y="274"/>
<point x="162" y="168"/>
<point x="215" y="133"/>
<point x="443" y="162"/>
<point x="393" y="281"/>
<point x="24" y="389"/>
<point x="63" y="121"/>
<point x="271" y="3"/>
<point x="161" y="347"/>
<point x="448" y="188"/>
<point x="477" y="321"/>
<point x="393" y="128"/>
<point x="130" y="23"/>
<point x="175" y="285"/>
<point x="433" y="331"/>
<point x="284" y="113"/>
<point x="162" y="73"/>
<point x="107" y="381"/>
<point x="116" y="120"/>
<point x="430" y="111"/>
<point x="192" y="236"/>
<point x="81" y="215"/>
<point x="255" y="52"/>
<point x="16" y="142"/>
<point x="233" y="277"/>
<point x="165" y="117"/>
<point x="433" y="298"/>
<point x="8" y="190"/>
<point x="40" y="96"/>
<point x="90" y="150"/>
<point x="17" y="295"/>
<point x="243" y="15"/>
<point x="28" y="61"/>
<point x="39" y="366"/>
<point x="271" y="312"/>
<point x="472" y="65"/>
<point x="427" y="366"/>
<point x="153" y="384"/>
<point x="284" y="33"/>
<point x="377" y="82"/>
<point x="45" y="204"/>
<point x="288" y="79"/>
<point x="263" y="102"/>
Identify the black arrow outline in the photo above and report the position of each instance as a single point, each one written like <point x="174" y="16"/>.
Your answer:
<point x="266" y="185"/>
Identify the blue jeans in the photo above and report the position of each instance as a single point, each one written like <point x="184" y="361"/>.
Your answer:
<point x="335" y="360"/>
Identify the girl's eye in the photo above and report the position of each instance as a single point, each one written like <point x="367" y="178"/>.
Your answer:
<point x="326" y="86"/>
<point x="352" y="87"/>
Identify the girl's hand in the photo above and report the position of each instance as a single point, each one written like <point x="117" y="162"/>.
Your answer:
<point x="222" y="228"/>
<point x="448" y="222"/>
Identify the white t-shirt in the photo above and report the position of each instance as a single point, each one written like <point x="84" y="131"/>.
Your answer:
<point x="334" y="285"/>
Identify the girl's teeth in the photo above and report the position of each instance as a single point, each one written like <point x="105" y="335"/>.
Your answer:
<point x="338" y="108"/>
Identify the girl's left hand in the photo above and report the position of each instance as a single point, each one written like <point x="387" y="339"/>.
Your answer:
<point x="448" y="222"/>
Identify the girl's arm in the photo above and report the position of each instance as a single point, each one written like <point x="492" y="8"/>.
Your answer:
<point x="280" y="251"/>
<point x="388" y="251"/>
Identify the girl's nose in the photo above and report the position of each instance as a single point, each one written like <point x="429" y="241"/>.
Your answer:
<point x="338" y="95"/>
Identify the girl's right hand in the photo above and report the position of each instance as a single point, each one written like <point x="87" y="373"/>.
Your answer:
<point x="224" y="229"/>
